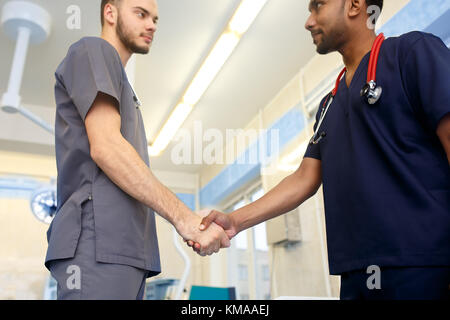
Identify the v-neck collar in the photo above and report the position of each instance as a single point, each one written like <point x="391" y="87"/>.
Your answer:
<point x="357" y="72"/>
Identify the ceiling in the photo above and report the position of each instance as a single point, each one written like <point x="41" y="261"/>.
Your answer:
<point x="272" y="51"/>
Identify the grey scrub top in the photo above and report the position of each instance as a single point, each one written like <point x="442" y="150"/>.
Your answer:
<point x="125" y="231"/>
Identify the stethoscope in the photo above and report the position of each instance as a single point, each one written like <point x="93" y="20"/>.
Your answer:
<point x="371" y="91"/>
<point x="136" y="99"/>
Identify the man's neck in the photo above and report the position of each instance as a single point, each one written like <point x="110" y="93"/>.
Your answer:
<point x="353" y="52"/>
<point x="124" y="53"/>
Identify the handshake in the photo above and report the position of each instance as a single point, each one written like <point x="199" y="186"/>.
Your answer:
<point x="210" y="234"/>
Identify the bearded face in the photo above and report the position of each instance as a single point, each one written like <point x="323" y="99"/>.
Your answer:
<point x="133" y="41"/>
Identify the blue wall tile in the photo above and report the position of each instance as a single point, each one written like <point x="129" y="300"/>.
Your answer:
<point x="416" y="15"/>
<point x="188" y="199"/>
<point x="237" y="174"/>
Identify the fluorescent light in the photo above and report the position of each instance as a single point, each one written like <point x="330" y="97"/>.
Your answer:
<point x="170" y="128"/>
<point x="245" y="15"/>
<point x="211" y="67"/>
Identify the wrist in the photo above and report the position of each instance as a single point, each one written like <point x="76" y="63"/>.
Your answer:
<point x="235" y="221"/>
<point x="186" y="224"/>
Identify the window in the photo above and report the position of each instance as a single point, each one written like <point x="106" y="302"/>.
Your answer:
<point x="241" y="241"/>
<point x="248" y="260"/>
<point x="244" y="296"/>
<point x="243" y="272"/>
<point x="260" y="236"/>
<point x="266" y="273"/>
<point x="241" y="238"/>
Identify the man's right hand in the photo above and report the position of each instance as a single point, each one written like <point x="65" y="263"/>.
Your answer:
<point x="215" y="217"/>
<point x="207" y="241"/>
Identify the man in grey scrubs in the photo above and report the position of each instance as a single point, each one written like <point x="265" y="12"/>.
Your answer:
<point x="102" y="243"/>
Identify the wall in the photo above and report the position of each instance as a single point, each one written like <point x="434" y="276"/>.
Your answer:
<point x="22" y="237"/>
<point x="22" y="247"/>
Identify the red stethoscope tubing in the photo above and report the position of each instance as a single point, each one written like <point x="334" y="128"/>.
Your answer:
<point x="373" y="62"/>
<point x="372" y="70"/>
<point x="371" y="79"/>
<point x="338" y="81"/>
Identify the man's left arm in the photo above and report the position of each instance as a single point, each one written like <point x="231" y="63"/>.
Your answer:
<point x="443" y="132"/>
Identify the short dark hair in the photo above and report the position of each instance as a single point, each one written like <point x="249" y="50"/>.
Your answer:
<point x="378" y="3"/>
<point x="102" y="8"/>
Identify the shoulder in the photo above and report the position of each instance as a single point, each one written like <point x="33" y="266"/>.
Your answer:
<point x="87" y="45"/>
<point x="405" y="41"/>
<point x="91" y="50"/>
<point x="415" y="44"/>
<point x="410" y="41"/>
<point x="411" y="38"/>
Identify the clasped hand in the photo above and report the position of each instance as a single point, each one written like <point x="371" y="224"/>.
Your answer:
<point x="216" y="230"/>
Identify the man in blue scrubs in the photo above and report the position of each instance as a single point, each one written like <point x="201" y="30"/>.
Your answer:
<point x="384" y="167"/>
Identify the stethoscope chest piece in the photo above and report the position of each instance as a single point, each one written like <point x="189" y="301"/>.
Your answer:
<point x="372" y="92"/>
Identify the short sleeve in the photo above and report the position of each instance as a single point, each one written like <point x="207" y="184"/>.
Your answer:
<point x="426" y="72"/>
<point x="313" y="150"/>
<point x="92" y="66"/>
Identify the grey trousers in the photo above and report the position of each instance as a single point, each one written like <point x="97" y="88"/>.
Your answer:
<point x="83" y="278"/>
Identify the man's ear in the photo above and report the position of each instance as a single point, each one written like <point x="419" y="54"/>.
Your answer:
<point x="110" y="14"/>
<point x="356" y="7"/>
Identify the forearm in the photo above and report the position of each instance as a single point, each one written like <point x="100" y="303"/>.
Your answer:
<point x="286" y="196"/>
<point x="122" y="164"/>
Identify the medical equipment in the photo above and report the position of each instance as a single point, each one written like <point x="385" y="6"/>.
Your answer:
<point x="370" y="91"/>
<point x="27" y="23"/>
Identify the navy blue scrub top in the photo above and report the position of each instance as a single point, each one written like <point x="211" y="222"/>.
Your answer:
<point x="386" y="177"/>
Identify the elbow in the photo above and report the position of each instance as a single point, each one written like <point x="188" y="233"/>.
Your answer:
<point x="314" y="189"/>
<point x="309" y="182"/>
<point x="311" y="188"/>
<point x="99" y="153"/>
<point x="95" y="153"/>
<point x="104" y="150"/>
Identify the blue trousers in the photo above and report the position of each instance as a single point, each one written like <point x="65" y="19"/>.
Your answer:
<point x="397" y="283"/>
<point x="83" y="278"/>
